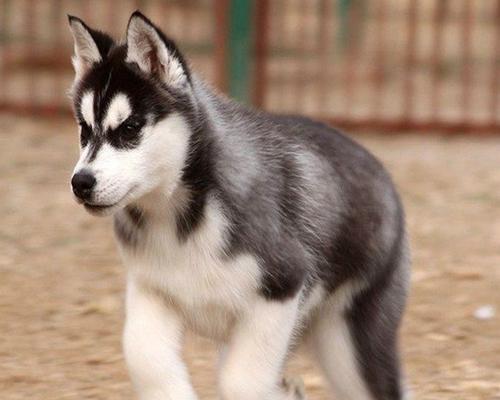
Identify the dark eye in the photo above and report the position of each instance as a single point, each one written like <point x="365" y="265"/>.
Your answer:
<point x="130" y="128"/>
<point x="85" y="133"/>
<point x="127" y="135"/>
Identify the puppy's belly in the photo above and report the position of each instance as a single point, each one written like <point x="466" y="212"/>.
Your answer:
<point x="211" y="321"/>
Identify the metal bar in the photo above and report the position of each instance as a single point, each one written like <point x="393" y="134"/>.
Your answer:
<point x="302" y="48"/>
<point x="380" y="51"/>
<point x="58" y="45"/>
<point x="281" y="45"/>
<point x="350" y="64"/>
<point x="240" y="48"/>
<point x="4" y="9"/>
<point x="495" y="77"/>
<point x="437" y="50"/>
<point x="221" y="32"/>
<point x="260" y="81"/>
<point x="30" y="50"/>
<point x="408" y="90"/>
<point x="466" y="60"/>
<point x="324" y="53"/>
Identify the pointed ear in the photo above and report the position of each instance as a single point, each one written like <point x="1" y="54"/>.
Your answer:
<point x="91" y="46"/>
<point x="154" y="53"/>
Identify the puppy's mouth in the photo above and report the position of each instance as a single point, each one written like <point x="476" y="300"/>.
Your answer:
<point x="107" y="209"/>
<point x="99" y="209"/>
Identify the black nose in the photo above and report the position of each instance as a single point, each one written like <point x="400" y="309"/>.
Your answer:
<point x="83" y="182"/>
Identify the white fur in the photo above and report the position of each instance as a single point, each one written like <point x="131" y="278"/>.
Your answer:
<point x="86" y="52"/>
<point x="313" y="301"/>
<point x="118" y="111"/>
<point x="142" y="40"/>
<point x="152" y="345"/>
<point x="252" y="366"/>
<point x="334" y="348"/>
<point x="193" y="276"/>
<point x="124" y="176"/>
<point x="87" y="108"/>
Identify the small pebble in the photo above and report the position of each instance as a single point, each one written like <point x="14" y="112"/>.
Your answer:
<point x="484" y="312"/>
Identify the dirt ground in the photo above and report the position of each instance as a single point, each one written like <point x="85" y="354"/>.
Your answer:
<point x="61" y="283"/>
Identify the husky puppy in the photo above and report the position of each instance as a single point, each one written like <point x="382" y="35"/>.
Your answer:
<point x="256" y="230"/>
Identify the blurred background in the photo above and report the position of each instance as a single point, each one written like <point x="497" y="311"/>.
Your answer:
<point x="390" y="64"/>
<point x="417" y="82"/>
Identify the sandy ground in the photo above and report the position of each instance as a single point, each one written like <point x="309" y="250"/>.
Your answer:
<point x="61" y="283"/>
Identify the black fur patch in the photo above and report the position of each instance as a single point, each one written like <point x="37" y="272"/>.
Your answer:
<point x="198" y="177"/>
<point x="136" y="216"/>
<point x="95" y="145"/>
<point x="129" y="226"/>
<point x="86" y="133"/>
<point x="127" y="135"/>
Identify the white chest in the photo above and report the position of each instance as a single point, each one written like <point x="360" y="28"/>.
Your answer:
<point x="208" y="288"/>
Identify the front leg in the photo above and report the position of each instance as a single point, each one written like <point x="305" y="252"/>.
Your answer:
<point x="251" y="368"/>
<point x="152" y="344"/>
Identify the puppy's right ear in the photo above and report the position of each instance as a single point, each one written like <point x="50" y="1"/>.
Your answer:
<point x="155" y="54"/>
<point x="91" y="46"/>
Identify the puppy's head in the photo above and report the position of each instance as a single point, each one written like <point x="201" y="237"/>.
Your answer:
<point x="133" y="103"/>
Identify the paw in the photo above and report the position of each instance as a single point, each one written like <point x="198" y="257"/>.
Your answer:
<point x="294" y="388"/>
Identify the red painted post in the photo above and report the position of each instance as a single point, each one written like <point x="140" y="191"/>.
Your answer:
<point x="408" y="90"/>
<point x="466" y="60"/>
<point x="30" y="53"/>
<point x="300" y="32"/>
<point x="261" y="52"/>
<point x="59" y="19"/>
<point x="278" y="17"/>
<point x="495" y="76"/>
<point x="324" y="43"/>
<point x="437" y="49"/>
<point x="4" y="34"/>
<point x="350" y="73"/>
<point x="380" y="52"/>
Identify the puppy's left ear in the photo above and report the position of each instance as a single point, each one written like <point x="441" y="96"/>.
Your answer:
<point x="154" y="53"/>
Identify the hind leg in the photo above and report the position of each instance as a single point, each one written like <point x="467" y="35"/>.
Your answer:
<point x="336" y="353"/>
<point x="355" y="340"/>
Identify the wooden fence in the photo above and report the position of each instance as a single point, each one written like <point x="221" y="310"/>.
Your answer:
<point x="390" y="65"/>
